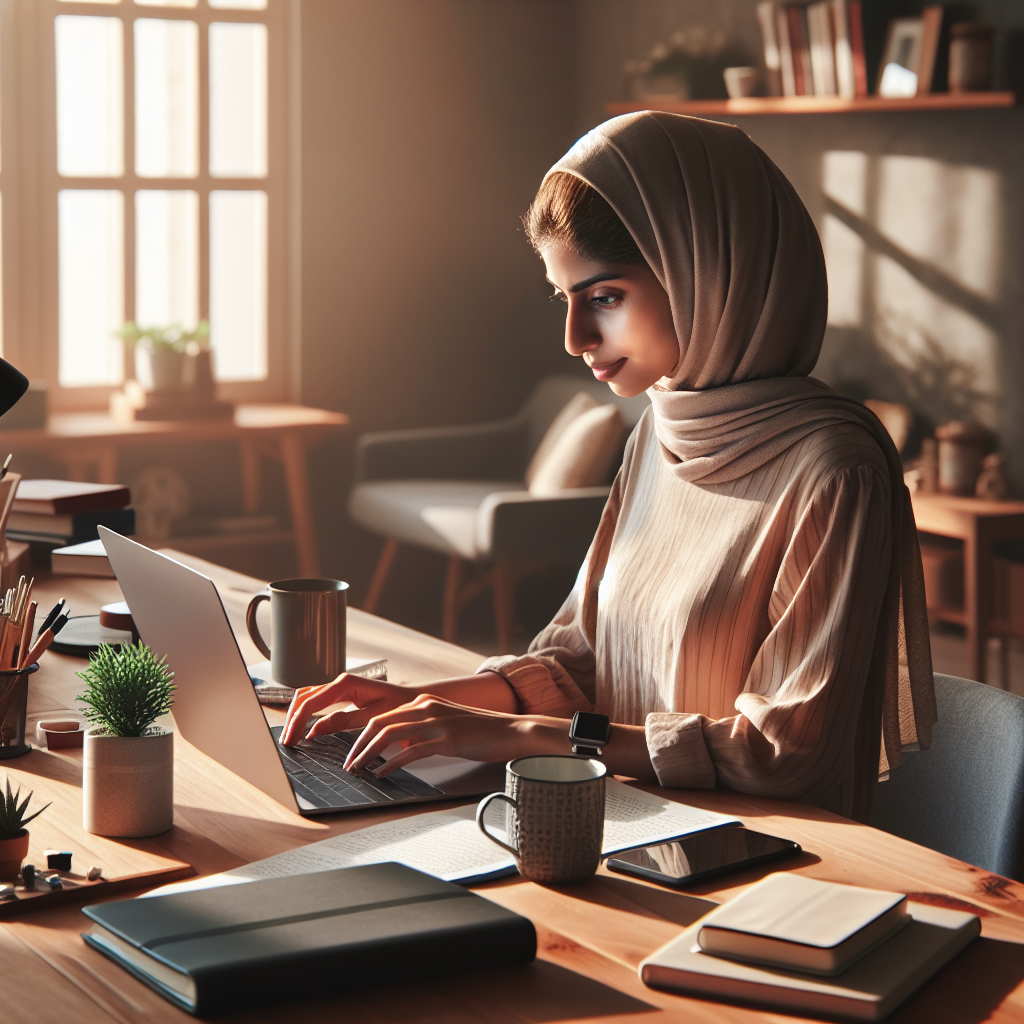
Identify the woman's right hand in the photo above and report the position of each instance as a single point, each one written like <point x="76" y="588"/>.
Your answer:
<point x="370" y="696"/>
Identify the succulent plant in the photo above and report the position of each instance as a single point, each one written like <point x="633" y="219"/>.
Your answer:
<point x="12" y="814"/>
<point x="127" y="690"/>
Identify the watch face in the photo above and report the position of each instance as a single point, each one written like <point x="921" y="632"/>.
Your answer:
<point x="590" y="727"/>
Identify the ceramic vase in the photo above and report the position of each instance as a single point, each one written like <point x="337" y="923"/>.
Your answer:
<point x="128" y="783"/>
<point x="12" y="854"/>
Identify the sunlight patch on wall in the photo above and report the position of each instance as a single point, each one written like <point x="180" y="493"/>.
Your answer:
<point x="844" y="178"/>
<point x="950" y="354"/>
<point x="844" y="262"/>
<point x="946" y="215"/>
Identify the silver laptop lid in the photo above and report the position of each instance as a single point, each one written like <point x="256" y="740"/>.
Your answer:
<point x="178" y="612"/>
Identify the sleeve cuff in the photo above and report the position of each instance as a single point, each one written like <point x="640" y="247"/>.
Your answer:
<point x="678" y="752"/>
<point x="540" y="687"/>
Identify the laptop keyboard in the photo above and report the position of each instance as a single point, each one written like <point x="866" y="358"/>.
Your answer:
<point x="315" y="767"/>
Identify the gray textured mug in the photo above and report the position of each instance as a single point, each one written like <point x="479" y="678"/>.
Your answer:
<point x="555" y="816"/>
<point x="308" y="621"/>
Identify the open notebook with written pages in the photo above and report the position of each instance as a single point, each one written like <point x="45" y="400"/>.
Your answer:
<point x="178" y="612"/>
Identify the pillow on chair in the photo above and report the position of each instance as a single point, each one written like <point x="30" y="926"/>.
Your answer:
<point x="580" y="403"/>
<point x="581" y="455"/>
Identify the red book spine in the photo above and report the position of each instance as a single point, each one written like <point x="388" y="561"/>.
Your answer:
<point x="860" y="68"/>
<point x="801" y="51"/>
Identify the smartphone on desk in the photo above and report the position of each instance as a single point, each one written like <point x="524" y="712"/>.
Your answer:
<point x="703" y="855"/>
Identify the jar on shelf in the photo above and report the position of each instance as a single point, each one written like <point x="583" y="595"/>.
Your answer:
<point x="970" y="57"/>
<point x="962" y="448"/>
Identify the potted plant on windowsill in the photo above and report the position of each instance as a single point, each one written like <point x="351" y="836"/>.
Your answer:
<point x="169" y="348"/>
<point x="128" y="771"/>
<point x="13" y="833"/>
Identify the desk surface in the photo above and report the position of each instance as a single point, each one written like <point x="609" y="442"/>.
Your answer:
<point x="591" y="937"/>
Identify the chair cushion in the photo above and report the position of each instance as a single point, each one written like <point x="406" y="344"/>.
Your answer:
<point x="438" y="514"/>
<point x="580" y="403"/>
<point x="581" y="455"/>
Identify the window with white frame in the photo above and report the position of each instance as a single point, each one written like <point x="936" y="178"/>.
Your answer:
<point x="156" y="131"/>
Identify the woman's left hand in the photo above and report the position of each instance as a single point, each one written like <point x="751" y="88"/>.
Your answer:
<point x="431" y="725"/>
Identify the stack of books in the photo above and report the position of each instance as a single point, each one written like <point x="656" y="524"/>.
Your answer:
<point x="812" y="947"/>
<point x="814" y="49"/>
<point x="62" y="512"/>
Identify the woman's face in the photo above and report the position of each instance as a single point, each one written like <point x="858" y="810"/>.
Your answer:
<point x="618" y="319"/>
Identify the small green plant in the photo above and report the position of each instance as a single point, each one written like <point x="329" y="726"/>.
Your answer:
<point x="126" y="691"/>
<point x="12" y="814"/>
<point x="167" y="337"/>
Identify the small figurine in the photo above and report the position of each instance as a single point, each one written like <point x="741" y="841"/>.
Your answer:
<point x="95" y="874"/>
<point x="54" y="883"/>
<point x="992" y="479"/>
<point x="28" y="876"/>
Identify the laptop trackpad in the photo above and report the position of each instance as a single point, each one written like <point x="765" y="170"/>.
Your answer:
<point x="458" y="777"/>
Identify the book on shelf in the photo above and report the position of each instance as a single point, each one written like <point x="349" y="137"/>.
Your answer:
<point x="86" y="559"/>
<point x="869" y="990"/>
<point x="766" y="16"/>
<point x="815" y="49"/>
<point x="803" y="924"/>
<point x="223" y="950"/>
<point x="931" y="19"/>
<point x="799" y="46"/>
<point x="68" y="528"/>
<point x="448" y="843"/>
<point x="61" y="497"/>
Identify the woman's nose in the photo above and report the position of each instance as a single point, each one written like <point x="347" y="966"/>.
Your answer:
<point x="581" y="334"/>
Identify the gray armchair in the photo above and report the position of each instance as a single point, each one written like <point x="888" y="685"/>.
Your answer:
<point x="460" y="491"/>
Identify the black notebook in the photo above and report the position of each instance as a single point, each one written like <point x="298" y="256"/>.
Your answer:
<point x="225" y="948"/>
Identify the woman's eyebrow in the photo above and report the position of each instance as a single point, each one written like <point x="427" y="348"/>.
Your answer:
<point x="579" y="286"/>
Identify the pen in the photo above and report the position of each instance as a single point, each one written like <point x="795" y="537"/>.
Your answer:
<point x="26" y="634"/>
<point x="43" y="643"/>
<point x="7" y="462"/>
<point x="51" y="616"/>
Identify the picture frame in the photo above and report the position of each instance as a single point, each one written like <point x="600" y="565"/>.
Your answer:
<point x="908" y="57"/>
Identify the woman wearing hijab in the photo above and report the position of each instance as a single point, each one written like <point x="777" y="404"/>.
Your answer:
<point x="751" y="612"/>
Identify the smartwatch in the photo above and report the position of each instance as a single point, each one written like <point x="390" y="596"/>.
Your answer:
<point x="589" y="733"/>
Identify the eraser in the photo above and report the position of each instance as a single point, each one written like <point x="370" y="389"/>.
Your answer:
<point x="94" y="874"/>
<point x="58" y="860"/>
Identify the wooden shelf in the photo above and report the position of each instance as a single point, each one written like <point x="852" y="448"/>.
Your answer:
<point x="820" y="104"/>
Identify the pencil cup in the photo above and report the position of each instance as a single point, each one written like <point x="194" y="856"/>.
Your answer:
<point x="554" y="821"/>
<point x="308" y="630"/>
<point x="13" y="706"/>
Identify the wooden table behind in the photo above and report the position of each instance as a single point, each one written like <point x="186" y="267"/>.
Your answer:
<point x="591" y="937"/>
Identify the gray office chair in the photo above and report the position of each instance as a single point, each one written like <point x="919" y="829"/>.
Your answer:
<point x="965" y="796"/>
<point x="460" y="491"/>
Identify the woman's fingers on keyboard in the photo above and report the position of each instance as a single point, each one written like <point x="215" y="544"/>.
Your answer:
<point x="319" y="697"/>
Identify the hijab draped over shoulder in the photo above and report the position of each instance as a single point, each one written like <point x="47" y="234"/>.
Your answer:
<point x="740" y="259"/>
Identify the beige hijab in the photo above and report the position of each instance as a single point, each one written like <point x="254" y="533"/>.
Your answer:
<point x="740" y="259"/>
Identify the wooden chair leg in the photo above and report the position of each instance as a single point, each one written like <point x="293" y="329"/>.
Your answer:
<point x="504" y="603"/>
<point x="380" y="575"/>
<point x="452" y="598"/>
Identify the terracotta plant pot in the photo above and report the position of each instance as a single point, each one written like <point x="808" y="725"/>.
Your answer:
<point x="12" y="854"/>
<point x="128" y="783"/>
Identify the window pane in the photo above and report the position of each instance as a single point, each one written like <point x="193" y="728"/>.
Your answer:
<point x="90" y="118"/>
<point x="91" y="275"/>
<point x="166" y="98"/>
<point x="240" y="5"/>
<point x="165" y="3"/>
<point x="238" y="284"/>
<point x="238" y="100"/>
<point x="166" y="258"/>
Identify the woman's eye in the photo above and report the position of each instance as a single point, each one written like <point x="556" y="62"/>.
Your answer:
<point x="605" y="300"/>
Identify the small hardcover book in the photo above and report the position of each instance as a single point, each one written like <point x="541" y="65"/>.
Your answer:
<point x="318" y="934"/>
<point x="788" y="920"/>
<point x="86" y="559"/>
<point x="58" y="497"/>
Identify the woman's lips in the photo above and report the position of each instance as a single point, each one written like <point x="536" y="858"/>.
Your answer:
<point x="605" y="371"/>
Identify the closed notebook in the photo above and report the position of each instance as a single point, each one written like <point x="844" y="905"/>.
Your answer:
<point x="868" y="990"/>
<point x="321" y="934"/>
<point x="788" y="920"/>
<point x="61" y="497"/>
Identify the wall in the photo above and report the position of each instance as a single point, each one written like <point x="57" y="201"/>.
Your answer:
<point x="921" y="215"/>
<point x="426" y="128"/>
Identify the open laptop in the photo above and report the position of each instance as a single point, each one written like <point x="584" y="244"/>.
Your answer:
<point x="178" y="613"/>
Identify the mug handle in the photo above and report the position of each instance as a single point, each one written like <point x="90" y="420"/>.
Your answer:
<point x="482" y="807"/>
<point x="254" y="629"/>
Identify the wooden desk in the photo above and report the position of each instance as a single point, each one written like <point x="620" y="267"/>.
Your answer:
<point x="88" y="444"/>
<point x="591" y="937"/>
<point x="977" y="523"/>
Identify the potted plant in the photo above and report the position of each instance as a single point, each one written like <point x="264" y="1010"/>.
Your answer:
<point x="13" y="834"/>
<point x="168" y="347"/>
<point x="128" y="771"/>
